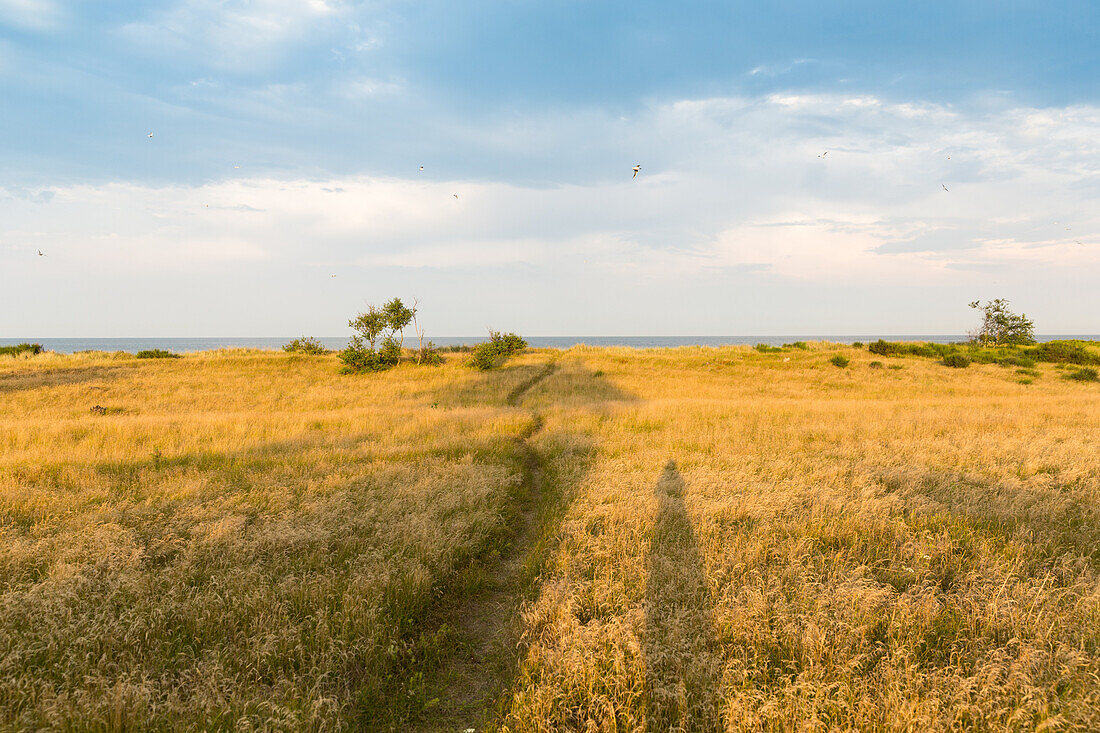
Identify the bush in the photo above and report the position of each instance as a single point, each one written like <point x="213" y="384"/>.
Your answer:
<point x="1017" y="361"/>
<point x="899" y="348"/>
<point x="359" y="357"/>
<point x="1084" y="375"/>
<point x="485" y="357"/>
<point x="305" y="345"/>
<point x="875" y="365"/>
<point x="429" y="355"/>
<point x="1073" y="351"/>
<point x="766" y="349"/>
<point x="857" y="344"/>
<point x="839" y="361"/>
<point x="797" y="345"/>
<point x="21" y="349"/>
<point x="957" y="361"/>
<point x="156" y="354"/>
<point x="507" y="343"/>
<point x="493" y="352"/>
<point x="389" y="353"/>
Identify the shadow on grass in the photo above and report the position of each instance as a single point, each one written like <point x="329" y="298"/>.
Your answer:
<point x="19" y="381"/>
<point x="683" y="670"/>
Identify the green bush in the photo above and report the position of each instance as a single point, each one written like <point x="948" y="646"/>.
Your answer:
<point x="21" y="349"/>
<point x="492" y="353"/>
<point x="875" y="365"/>
<point x="507" y="343"/>
<point x="797" y="345"/>
<point x="1017" y="361"/>
<point x="766" y="349"/>
<point x="428" y="355"/>
<point x="1072" y="351"/>
<point x="389" y="353"/>
<point x="957" y="361"/>
<point x="156" y="354"/>
<point x="305" y="345"/>
<point x="1084" y="375"/>
<point x="900" y="348"/>
<point x="857" y="344"/>
<point x="358" y="356"/>
<point x="485" y="357"/>
<point x="839" y="361"/>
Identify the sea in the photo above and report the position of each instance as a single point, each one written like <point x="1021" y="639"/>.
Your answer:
<point x="183" y="345"/>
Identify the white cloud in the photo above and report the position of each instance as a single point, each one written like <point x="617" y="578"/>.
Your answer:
<point x="238" y="35"/>
<point x="35" y="15"/>
<point x="728" y="185"/>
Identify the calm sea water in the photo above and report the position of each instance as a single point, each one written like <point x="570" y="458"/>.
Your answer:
<point x="179" y="345"/>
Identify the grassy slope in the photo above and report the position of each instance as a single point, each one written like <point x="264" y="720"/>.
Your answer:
<point x="730" y="540"/>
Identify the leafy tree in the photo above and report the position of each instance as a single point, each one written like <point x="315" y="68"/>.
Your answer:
<point x="1000" y="326"/>
<point x="365" y="352"/>
<point x="398" y="317"/>
<point x="370" y="324"/>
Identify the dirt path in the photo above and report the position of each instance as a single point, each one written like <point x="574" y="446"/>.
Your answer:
<point x="488" y="623"/>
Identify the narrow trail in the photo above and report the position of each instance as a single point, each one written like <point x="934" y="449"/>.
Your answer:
<point x="488" y="623"/>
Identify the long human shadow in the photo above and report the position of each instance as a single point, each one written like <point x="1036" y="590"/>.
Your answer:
<point x="683" y="667"/>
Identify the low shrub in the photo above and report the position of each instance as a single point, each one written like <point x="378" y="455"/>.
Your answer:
<point x="485" y="357"/>
<point x="956" y="361"/>
<point x="901" y="348"/>
<point x="797" y="345"/>
<point x="766" y="349"/>
<point x="389" y="352"/>
<point x="1030" y="372"/>
<point x="839" y="361"/>
<point x="1017" y="361"/>
<point x="156" y="354"/>
<point x="1071" y="351"/>
<point x="1084" y="375"/>
<point x="507" y="343"/>
<point x="896" y="366"/>
<point x="492" y="353"/>
<point x="358" y="356"/>
<point x="305" y="345"/>
<point x="428" y="355"/>
<point x="857" y="344"/>
<point x="875" y="365"/>
<point x="21" y="349"/>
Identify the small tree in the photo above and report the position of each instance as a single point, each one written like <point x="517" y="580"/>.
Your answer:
<point x="370" y="324"/>
<point x="1000" y="326"/>
<point x="398" y="318"/>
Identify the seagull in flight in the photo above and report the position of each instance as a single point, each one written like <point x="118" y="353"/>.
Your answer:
<point x="456" y="195"/>
<point x="333" y="275"/>
<point x="421" y="169"/>
<point x="150" y="134"/>
<point x="636" y="169"/>
<point x="41" y="253"/>
<point x="823" y="154"/>
<point x="945" y="188"/>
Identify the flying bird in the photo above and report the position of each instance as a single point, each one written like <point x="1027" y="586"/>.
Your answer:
<point x="636" y="169"/>
<point x="41" y="253"/>
<point x="945" y="188"/>
<point x="456" y="195"/>
<point x="150" y="134"/>
<point x="823" y="154"/>
<point x="332" y="275"/>
<point x="421" y="168"/>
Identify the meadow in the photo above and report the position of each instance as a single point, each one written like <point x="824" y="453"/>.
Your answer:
<point x="595" y="539"/>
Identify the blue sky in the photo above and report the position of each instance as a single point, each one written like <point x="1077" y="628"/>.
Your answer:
<point x="288" y="135"/>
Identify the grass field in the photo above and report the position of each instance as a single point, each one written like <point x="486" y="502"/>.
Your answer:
<point x="689" y="539"/>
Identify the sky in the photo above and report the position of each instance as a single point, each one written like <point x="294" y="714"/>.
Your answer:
<point x="252" y="167"/>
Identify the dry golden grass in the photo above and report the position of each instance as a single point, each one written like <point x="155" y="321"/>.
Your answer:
<point x="730" y="541"/>
<point x="245" y="540"/>
<point x="771" y="545"/>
